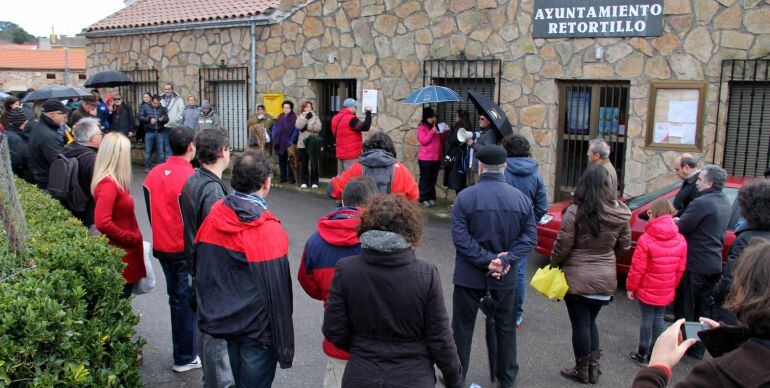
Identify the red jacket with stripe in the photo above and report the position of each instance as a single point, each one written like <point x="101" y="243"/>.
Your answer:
<point x="658" y="262"/>
<point x="336" y="239"/>
<point x="243" y="283"/>
<point x="162" y="188"/>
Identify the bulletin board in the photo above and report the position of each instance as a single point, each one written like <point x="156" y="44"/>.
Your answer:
<point x="675" y="118"/>
<point x="273" y="104"/>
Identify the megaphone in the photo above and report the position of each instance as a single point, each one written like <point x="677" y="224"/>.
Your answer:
<point x="463" y="135"/>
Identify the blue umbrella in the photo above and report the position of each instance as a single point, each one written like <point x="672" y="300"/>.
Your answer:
<point x="431" y="95"/>
<point x="3" y="95"/>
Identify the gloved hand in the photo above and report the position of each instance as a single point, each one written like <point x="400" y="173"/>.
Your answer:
<point x="309" y="115"/>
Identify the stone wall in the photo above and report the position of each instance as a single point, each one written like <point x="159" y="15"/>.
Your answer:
<point x="36" y="78"/>
<point x="382" y="43"/>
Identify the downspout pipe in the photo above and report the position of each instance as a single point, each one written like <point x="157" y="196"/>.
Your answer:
<point x="253" y="76"/>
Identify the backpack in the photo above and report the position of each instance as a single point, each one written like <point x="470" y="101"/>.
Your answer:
<point x="63" y="183"/>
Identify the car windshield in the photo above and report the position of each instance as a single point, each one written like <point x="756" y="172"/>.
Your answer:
<point x="636" y="202"/>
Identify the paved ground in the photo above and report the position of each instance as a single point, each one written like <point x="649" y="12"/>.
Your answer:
<point x="543" y="341"/>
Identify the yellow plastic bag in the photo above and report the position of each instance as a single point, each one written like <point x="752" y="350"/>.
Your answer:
<point x="550" y="282"/>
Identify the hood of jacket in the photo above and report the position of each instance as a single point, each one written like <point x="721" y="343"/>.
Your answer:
<point x="662" y="228"/>
<point x="234" y="215"/>
<point x="521" y="166"/>
<point x="377" y="158"/>
<point x="207" y="115"/>
<point x="340" y="227"/>
<point x="615" y="214"/>
<point x="75" y="149"/>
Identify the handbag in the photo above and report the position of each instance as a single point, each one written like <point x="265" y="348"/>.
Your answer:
<point x="550" y="282"/>
<point x="146" y="284"/>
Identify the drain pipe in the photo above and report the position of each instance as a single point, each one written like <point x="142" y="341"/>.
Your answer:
<point x="253" y="76"/>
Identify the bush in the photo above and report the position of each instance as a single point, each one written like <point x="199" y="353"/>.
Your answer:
<point x="63" y="322"/>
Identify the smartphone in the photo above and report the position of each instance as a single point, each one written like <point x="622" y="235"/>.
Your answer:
<point x="691" y="329"/>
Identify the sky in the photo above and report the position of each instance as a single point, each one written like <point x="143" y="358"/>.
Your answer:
<point x="67" y="17"/>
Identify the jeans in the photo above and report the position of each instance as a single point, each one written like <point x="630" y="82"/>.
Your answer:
<point x="216" y="362"/>
<point x="465" y="307"/>
<point x="166" y="146"/>
<point x="651" y="326"/>
<point x="428" y="176"/>
<point x="253" y="364"/>
<point x="307" y="177"/>
<point x="177" y="275"/>
<point x="582" y="315"/>
<point x="154" y="140"/>
<point x="521" y="288"/>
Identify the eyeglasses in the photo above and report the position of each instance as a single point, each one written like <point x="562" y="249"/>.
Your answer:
<point x="117" y="99"/>
<point x="482" y="118"/>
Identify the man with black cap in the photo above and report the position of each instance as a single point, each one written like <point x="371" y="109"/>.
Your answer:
<point x="18" y="141"/>
<point x="45" y="142"/>
<point x="493" y="228"/>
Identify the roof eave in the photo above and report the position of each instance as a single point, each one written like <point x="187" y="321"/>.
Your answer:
<point x="260" y="19"/>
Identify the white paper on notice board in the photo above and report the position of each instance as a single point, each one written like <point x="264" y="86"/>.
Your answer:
<point x="683" y="111"/>
<point x="369" y="99"/>
<point x="661" y="132"/>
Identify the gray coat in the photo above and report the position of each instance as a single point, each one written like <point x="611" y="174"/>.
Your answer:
<point x="190" y="116"/>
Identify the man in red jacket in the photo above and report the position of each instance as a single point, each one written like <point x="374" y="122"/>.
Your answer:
<point x="347" y="129"/>
<point x="336" y="238"/>
<point x="161" y="194"/>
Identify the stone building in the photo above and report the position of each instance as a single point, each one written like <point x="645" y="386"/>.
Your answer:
<point x="693" y="78"/>
<point x="23" y="68"/>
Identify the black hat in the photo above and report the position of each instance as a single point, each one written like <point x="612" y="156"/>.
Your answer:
<point x="52" y="105"/>
<point x="491" y="155"/>
<point x="16" y="117"/>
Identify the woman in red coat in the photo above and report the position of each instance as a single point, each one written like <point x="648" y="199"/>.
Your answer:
<point x="656" y="269"/>
<point x="114" y="214"/>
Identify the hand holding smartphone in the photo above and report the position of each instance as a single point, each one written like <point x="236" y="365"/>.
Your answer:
<point x="690" y="330"/>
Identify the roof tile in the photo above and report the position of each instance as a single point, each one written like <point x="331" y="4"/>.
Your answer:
<point x="159" y="12"/>
<point x="41" y="59"/>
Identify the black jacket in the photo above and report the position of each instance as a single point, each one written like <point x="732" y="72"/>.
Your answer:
<point x="78" y="114"/>
<point x="686" y="194"/>
<point x="201" y="190"/>
<point x="743" y="235"/>
<point x="243" y="284"/>
<point x="45" y="144"/>
<point x="147" y="112"/>
<point x="704" y="224"/>
<point x="18" y="143"/>
<point x="86" y="157"/>
<point x="489" y="218"/>
<point x="387" y="310"/>
<point x="123" y="119"/>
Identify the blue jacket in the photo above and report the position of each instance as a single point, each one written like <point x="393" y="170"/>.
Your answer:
<point x="522" y="174"/>
<point x="489" y="218"/>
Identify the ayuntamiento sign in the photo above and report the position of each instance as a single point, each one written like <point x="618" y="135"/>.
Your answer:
<point x="587" y="18"/>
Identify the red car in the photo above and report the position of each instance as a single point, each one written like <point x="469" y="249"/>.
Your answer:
<point x="548" y="226"/>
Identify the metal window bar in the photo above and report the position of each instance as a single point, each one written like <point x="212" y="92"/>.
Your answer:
<point x="462" y="76"/>
<point x="144" y="81"/>
<point x="746" y="140"/>
<point x="589" y="110"/>
<point x="227" y="89"/>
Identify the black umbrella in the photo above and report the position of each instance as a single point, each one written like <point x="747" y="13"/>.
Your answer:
<point x="108" y="79"/>
<point x="488" y="307"/>
<point x="58" y="92"/>
<point x="488" y="108"/>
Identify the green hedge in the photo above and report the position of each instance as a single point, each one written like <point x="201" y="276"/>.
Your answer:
<point x="63" y="323"/>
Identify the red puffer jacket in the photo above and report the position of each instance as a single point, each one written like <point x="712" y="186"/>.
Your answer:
<point x="658" y="263"/>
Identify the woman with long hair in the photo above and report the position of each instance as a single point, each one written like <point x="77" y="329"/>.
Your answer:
<point x="456" y="162"/>
<point x="386" y="306"/>
<point x="594" y="231"/>
<point x="114" y="213"/>
<point x="308" y="145"/>
<point x="429" y="157"/>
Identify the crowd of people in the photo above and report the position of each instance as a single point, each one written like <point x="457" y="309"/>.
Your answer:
<point x="224" y="254"/>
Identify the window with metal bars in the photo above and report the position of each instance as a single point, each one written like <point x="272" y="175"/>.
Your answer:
<point x="463" y="76"/>
<point x="227" y="89"/>
<point x="747" y="137"/>
<point x="144" y="81"/>
<point x="589" y="110"/>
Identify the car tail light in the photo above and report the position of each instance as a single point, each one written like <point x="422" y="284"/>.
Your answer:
<point x="545" y="219"/>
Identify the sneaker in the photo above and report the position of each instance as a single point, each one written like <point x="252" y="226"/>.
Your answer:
<point x="519" y="321"/>
<point x="195" y="364"/>
<point x="303" y="186"/>
<point x="425" y="203"/>
<point x="314" y="186"/>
